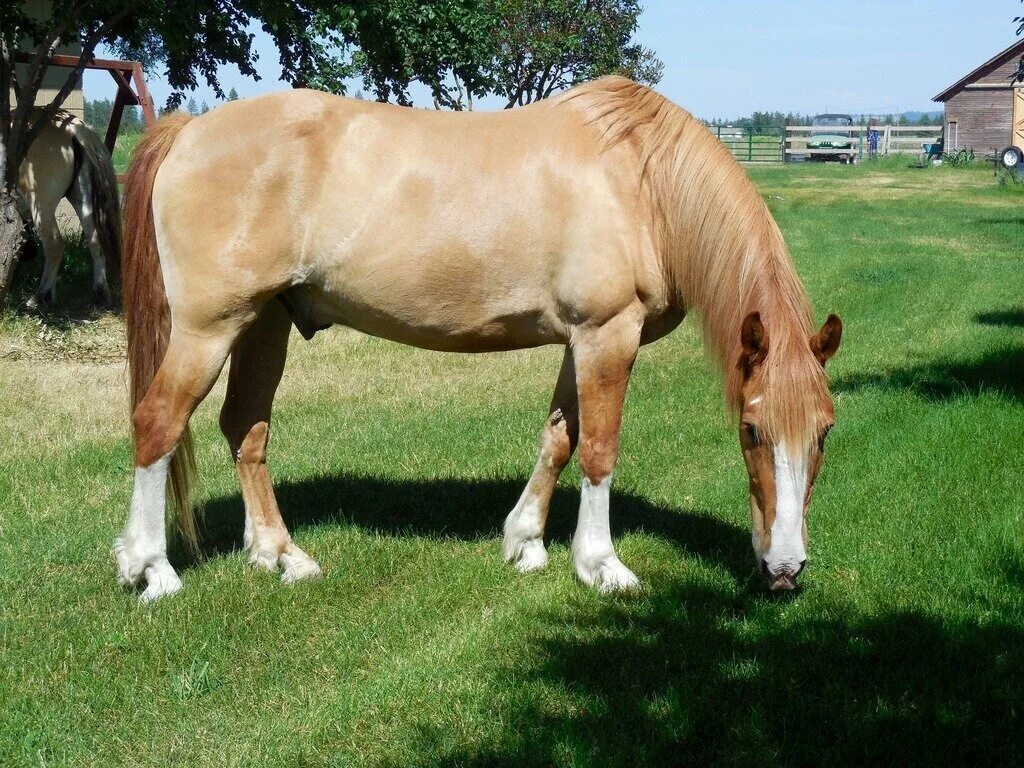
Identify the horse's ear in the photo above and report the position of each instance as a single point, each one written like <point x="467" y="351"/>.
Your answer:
<point x="826" y="341"/>
<point x="754" y="339"/>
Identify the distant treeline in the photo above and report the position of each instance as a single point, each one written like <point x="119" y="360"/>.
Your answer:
<point x="97" y="113"/>
<point x="768" y="122"/>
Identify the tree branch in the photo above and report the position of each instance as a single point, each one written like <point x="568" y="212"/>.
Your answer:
<point x="12" y="75"/>
<point x="7" y="78"/>
<point x="6" y="73"/>
<point x="36" y="70"/>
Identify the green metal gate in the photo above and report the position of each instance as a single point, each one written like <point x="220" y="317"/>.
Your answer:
<point x="765" y="146"/>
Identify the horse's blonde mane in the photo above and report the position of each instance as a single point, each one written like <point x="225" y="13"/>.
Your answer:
<point x="722" y="252"/>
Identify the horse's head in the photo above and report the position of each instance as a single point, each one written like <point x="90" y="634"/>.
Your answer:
<point x="785" y="415"/>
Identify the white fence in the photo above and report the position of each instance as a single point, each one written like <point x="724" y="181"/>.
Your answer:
<point x="892" y="140"/>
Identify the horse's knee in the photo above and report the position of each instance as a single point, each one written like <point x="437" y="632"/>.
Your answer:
<point x="597" y="458"/>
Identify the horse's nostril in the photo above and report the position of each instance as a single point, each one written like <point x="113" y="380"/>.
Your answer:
<point x="764" y="569"/>
<point x="800" y="568"/>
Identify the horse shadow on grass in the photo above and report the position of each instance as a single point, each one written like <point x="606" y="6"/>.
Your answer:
<point x="999" y="370"/>
<point x="468" y="510"/>
<point x="694" y="672"/>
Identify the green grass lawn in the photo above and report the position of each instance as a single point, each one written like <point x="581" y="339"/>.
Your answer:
<point x="396" y="467"/>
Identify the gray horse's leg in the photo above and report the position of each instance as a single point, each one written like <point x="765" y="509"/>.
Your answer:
<point x="80" y="196"/>
<point x="44" y="218"/>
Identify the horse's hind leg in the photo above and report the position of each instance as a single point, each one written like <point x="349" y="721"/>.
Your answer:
<point x="80" y="196"/>
<point x="257" y="363"/>
<point x="44" y="218"/>
<point x="188" y="371"/>
<point x="523" y="545"/>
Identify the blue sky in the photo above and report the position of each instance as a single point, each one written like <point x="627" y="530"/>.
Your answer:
<point x="728" y="58"/>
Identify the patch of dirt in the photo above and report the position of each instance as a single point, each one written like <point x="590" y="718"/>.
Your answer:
<point x="92" y="342"/>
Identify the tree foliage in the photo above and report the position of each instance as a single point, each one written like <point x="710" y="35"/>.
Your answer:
<point x="521" y="50"/>
<point x="97" y="116"/>
<point x="542" y="46"/>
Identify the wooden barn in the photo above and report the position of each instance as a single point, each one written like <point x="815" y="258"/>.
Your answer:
<point x="985" y="108"/>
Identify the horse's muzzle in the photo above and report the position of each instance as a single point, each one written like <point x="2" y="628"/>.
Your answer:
<point x="783" y="580"/>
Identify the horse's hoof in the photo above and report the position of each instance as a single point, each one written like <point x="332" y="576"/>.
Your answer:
<point x="137" y="567"/>
<point x="292" y="563"/>
<point x="608" y="576"/>
<point x="101" y="297"/>
<point x="525" y="555"/>
<point x="46" y="301"/>
<point x="160" y="582"/>
<point x="298" y="566"/>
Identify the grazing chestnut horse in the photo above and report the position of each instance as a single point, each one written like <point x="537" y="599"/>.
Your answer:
<point x="594" y="220"/>
<point x="68" y="160"/>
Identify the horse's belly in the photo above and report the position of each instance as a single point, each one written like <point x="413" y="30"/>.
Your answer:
<point x="446" y="322"/>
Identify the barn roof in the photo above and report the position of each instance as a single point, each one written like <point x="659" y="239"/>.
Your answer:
<point x="1017" y="49"/>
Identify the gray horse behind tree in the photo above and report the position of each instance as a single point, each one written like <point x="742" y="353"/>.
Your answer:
<point x="68" y="160"/>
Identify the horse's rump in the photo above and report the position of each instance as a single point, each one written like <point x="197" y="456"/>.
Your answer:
<point x="105" y="199"/>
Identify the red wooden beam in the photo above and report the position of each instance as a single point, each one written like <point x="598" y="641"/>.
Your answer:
<point x="120" y="71"/>
<point x="123" y="87"/>
<point x="65" y="60"/>
<point x="114" y="123"/>
<point x="148" y="112"/>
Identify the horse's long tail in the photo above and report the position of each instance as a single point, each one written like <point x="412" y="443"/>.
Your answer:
<point x="146" y="312"/>
<point x="105" y="202"/>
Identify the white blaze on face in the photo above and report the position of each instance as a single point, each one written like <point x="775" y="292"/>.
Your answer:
<point x="787" y="550"/>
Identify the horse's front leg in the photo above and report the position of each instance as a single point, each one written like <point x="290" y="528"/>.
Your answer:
<point x="524" y="527"/>
<point x="604" y="359"/>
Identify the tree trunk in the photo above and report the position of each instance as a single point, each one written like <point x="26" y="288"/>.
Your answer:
<point x="12" y="236"/>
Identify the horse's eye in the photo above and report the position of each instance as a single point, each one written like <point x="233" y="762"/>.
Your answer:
<point x="822" y="436"/>
<point x="751" y="433"/>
